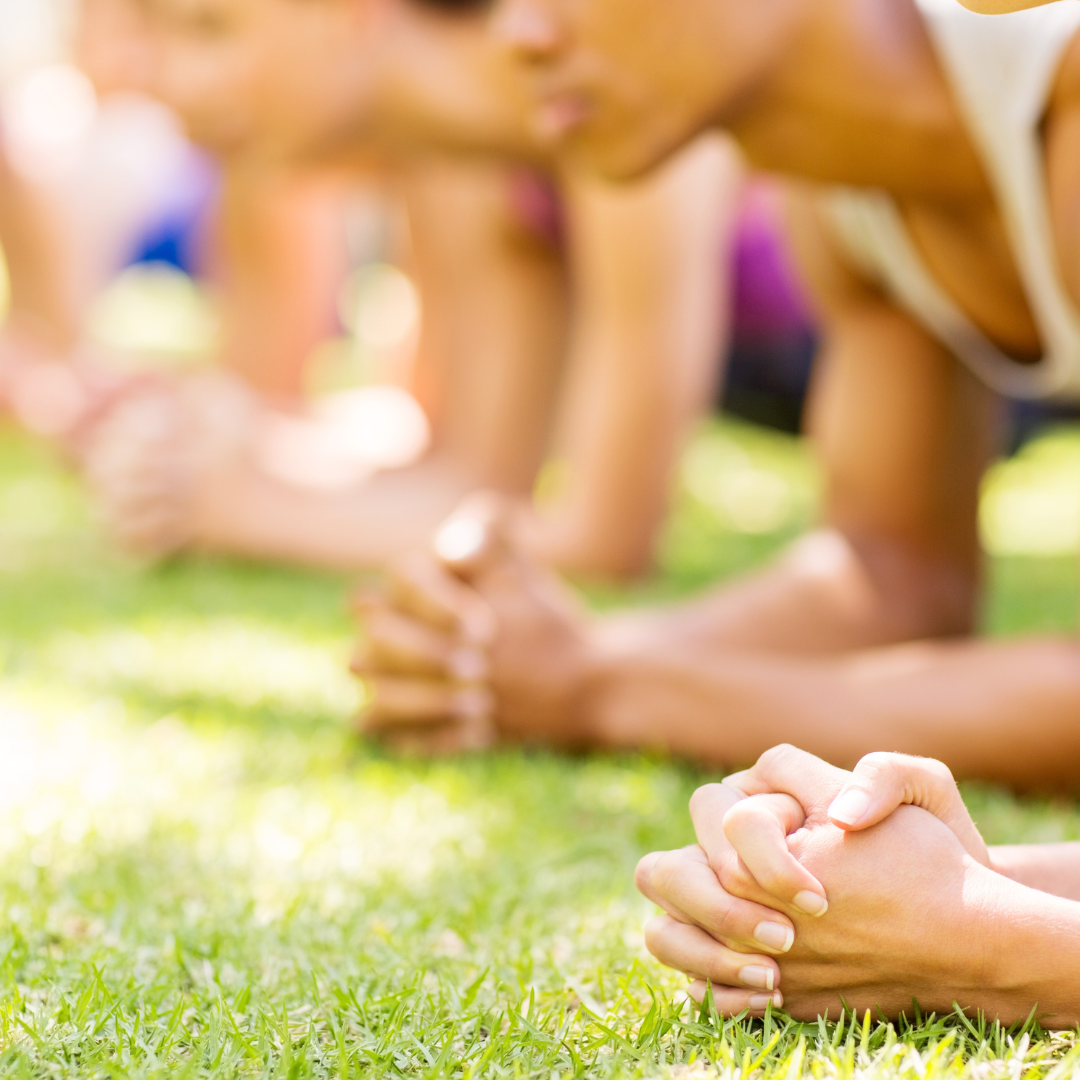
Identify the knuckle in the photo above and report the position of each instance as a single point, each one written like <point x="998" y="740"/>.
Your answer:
<point x="656" y="933"/>
<point x="741" y="819"/>
<point x="719" y="968"/>
<point x="644" y="870"/>
<point x="775" y="754"/>
<point x="939" y="771"/>
<point x="734" y="877"/>
<point x="879" y="759"/>
<point x="880" y="769"/>
<point x="665" y="871"/>
<point x="727" y="922"/>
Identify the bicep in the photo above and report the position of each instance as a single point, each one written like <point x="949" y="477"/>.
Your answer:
<point x="493" y="302"/>
<point x="649" y="259"/>
<point x="902" y="431"/>
<point x="649" y="274"/>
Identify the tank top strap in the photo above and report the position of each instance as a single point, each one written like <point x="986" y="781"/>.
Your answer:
<point x="1001" y="69"/>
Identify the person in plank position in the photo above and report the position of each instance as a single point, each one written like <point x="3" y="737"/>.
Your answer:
<point x="555" y="305"/>
<point x="933" y="156"/>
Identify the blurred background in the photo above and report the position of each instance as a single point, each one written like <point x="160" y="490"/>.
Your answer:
<point x="180" y="795"/>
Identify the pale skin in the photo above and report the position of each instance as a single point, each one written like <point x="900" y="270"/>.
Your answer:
<point x="277" y="256"/>
<point x="858" y="637"/>
<point x="885" y="887"/>
<point x="604" y="351"/>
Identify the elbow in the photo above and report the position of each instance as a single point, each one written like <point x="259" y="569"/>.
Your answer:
<point x="929" y="596"/>
<point x="892" y="591"/>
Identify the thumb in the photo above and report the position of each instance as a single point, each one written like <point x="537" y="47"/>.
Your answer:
<point x="477" y="535"/>
<point x="881" y="782"/>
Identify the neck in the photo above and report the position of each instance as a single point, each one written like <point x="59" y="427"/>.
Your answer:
<point x="855" y="95"/>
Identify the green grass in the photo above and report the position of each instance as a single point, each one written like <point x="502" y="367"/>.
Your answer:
<point x="203" y="875"/>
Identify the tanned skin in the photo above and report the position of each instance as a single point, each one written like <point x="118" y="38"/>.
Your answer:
<point x="602" y="349"/>
<point x="859" y="636"/>
<point x="778" y="902"/>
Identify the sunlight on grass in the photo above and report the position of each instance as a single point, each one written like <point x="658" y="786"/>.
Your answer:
<point x="203" y="874"/>
<point x="242" y="664"/>
<point x="1031" y="503"/>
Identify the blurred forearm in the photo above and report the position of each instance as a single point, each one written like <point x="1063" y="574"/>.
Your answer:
<point x="650" y="278"/>
<point x="281" y="247"/>
<point x="986" y="709"/>
<point x="40" y="277"/>
<point x="1051" y="868"/>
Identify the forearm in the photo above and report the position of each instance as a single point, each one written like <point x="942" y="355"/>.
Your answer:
<point x="827" y="594"/>
<point x="283" y="259"/>
<point x="1036" y="941"/>
<point x="355" y="526"/>
<point x="649" y="269"/>
<point x="985" y="709"/>
<point x="1050" y="868"/>
<point x="619" y="466"/>
<point x="41" y="281"/>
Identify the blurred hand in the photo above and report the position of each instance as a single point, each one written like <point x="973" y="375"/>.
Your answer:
<point x="55" y="394"/>
<point x="157" y="449"/>
<point x="474" y="642"/>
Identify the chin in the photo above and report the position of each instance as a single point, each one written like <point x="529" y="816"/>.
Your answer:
<point x="625" y="158"/>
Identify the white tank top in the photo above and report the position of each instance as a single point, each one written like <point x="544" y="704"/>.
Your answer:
<point x="1001" y="68"/>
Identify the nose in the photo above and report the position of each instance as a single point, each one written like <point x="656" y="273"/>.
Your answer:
<point x="529" y="28"/>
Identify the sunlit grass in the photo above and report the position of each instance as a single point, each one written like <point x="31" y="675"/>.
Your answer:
<point x="203" y="874"/>
<point x="1031" y="503"/>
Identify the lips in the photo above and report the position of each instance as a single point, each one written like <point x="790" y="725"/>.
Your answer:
<point x="559" y="115"/>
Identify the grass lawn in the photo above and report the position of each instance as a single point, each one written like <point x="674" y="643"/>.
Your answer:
<point x="203" y="875"/>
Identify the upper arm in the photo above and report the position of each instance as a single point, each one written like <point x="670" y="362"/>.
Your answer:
<point x="649" y="273"/>
<point x="902" y="431"/>
<point x="649" y="263"/>
<point x="493" y="325"/>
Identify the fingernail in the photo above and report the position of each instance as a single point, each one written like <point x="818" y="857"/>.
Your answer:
<point x="469" y="665"/>
<point x="811" y="903"/>
<point x="756" y="975"/>
<point x="763" y="1001"/>
<point x="775" y="936"/>
<point x="849" y="807"/>
<point x="461" y="538"/>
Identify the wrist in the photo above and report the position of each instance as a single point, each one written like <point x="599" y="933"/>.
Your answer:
<point x="1031" y="951"/>
<point x="613" y="697"/>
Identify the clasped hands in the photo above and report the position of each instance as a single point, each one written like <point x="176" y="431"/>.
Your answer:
<point x="473" y="642"/>
<point x="809" y="887"/>
<point x="814" y="888"/>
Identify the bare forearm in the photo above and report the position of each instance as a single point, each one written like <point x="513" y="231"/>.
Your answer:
<point x="986" y="709"/>
<point x="650" y="278"/>
<point x="1050" y="868"/>
<point x="356" y="526"/>
<point x="283" y="255"/>
<point x="42" y="288"/>
<point x="825" y="595"/>
<point x="1038" y="956"/>
<point x="619" y="468"/>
